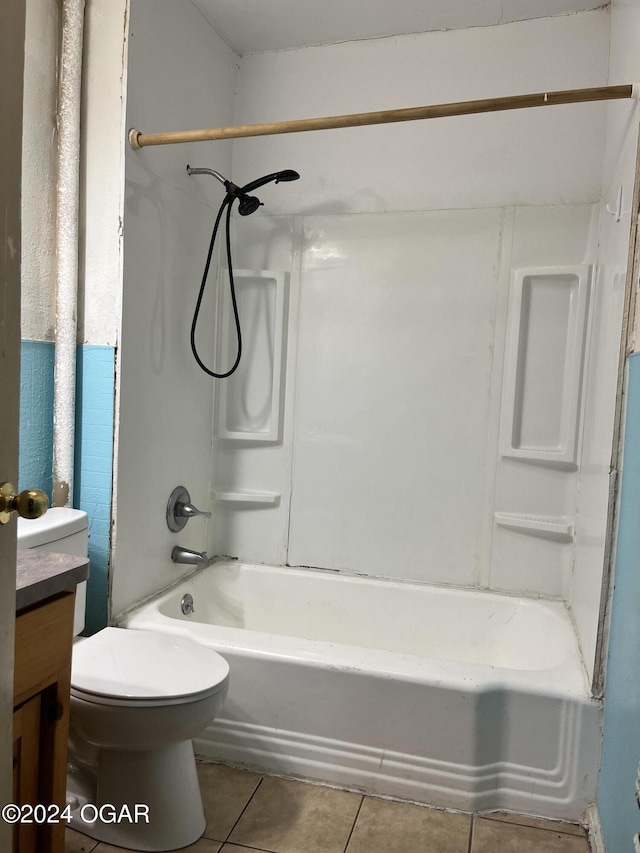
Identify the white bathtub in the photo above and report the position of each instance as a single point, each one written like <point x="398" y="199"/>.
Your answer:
<point x="455" y="698"/>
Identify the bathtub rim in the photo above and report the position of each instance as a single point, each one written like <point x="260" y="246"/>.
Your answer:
<point x="569" y="678"/>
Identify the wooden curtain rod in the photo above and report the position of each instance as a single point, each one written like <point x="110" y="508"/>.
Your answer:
<point x="488" y="105"/>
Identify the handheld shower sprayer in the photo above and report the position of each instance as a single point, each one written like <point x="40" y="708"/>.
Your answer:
<point x="247" y="204"/>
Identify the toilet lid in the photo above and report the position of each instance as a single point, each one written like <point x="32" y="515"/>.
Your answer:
<point x="119" y="663"/>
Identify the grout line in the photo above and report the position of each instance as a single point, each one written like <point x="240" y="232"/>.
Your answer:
<point x="226" y="841"/>
<point x="557" y="829"/>
<point x="471" y="826"/>
<point x="244" y="847"/>
<point x="355" y="820"/>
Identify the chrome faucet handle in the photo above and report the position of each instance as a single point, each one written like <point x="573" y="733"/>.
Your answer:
<point x="186" y="510"/>
<point x="180" y="509"/>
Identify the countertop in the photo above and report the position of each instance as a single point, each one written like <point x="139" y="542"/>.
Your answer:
<point x="42" y="574"/>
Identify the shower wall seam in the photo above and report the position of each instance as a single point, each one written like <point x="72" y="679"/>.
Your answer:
<point x="497" y="372"/>
<point x="298" y="232"/>
<point x="627" y="343"/>
<point x="583" y="401"/>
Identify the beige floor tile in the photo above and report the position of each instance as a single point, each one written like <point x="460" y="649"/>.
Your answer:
<point x="538" y="822"/>
<point x="285" y="816"/>
<point x="76" y="842"/>
<point x="490" y="836"/>
<point x="225" y="793"/>
<point x="384" y="826"/>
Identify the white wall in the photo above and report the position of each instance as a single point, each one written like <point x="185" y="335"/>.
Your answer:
<point x="619" y="171"/>
<point x="181" y="75"/>
<point x="102" y="155"/>
<point x="389" y="462"/>
<point x="536" y="156"/>
<point x="39" y="147"/>
<point x="102" y="171"/>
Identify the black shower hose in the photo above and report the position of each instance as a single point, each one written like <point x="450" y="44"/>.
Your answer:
<point x="228" y="203"/>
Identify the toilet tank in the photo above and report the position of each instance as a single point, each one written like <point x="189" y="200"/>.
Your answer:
<point x="64" y="531"/>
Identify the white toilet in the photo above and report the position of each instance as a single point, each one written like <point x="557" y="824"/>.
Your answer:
<point x="137" y="699"/>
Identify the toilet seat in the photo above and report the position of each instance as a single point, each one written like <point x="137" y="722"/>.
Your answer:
<point x="133" y="668"/>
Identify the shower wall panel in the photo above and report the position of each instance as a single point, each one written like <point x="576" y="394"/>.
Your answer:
<point x="535" y="493"/>
<point x="392" y="401"/>
<point x="166" y="401"/>
<point x="392" y="412"/>
<point x="257" y="472"/>
<point x="389" y="460"/>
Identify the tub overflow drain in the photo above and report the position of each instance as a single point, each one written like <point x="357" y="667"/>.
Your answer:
<point x="186" y="605"/>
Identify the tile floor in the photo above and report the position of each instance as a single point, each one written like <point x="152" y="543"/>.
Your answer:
<point x="250" y="813"/>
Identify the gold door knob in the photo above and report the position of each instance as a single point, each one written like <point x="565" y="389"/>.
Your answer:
<point x="32" y="503"/>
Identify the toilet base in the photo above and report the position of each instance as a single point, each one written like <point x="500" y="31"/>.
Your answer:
<point x="160" y="791"/>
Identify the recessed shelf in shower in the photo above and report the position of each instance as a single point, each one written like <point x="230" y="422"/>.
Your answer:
<point x="547" y="326"/>
<point x="248" y="404"/>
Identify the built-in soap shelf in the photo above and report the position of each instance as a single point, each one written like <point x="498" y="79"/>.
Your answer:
<point x="249" y="403"/>
<point x="550" y="527"/>
<point x="248" y="497"/>
<point x="546" y="333"/>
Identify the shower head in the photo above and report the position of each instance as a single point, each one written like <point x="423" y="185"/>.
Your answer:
<point x="247" y="204"/>
<point x="285" y="175"/>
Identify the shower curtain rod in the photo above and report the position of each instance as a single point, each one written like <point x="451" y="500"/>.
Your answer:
<point x="515" y="102"/>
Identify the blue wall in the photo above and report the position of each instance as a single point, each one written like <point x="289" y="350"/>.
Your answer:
<point x="95" y="390"/>
<point x="619" y="812"/>
<point x="36" y="416"/>
<point x="94" y="449"/>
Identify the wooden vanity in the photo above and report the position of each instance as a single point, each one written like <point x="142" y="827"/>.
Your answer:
<point x="45" y="597"/>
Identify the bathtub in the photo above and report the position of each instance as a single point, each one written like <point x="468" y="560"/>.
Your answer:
<point x="456" y="698"/>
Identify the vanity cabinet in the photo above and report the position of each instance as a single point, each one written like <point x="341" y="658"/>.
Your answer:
<point x="26" y="748"/>
<point x="44" y="634"/>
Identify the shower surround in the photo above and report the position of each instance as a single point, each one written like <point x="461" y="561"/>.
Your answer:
<point x="394" y="301"/>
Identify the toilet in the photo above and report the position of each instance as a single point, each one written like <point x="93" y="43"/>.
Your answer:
<point x="137" y="699"/>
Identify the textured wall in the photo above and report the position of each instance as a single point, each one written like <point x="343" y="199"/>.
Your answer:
<point x="39" y="148"/>
<point x="36" y="415"/>
<point x="99" y="274"/>
<point x="94" y="449"/>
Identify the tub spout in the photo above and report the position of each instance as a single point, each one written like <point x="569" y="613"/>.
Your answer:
<point x="190" y="558"/>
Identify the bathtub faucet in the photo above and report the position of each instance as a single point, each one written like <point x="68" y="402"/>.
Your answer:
<point x="190" y="558"/>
